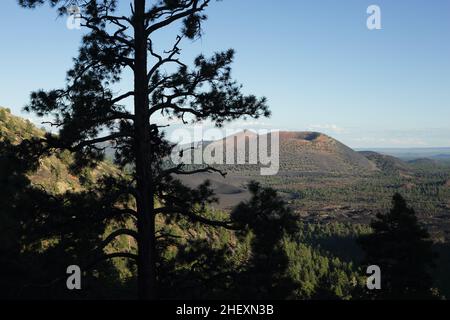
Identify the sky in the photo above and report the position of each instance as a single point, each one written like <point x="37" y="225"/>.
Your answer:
<point x="316" y="61"/>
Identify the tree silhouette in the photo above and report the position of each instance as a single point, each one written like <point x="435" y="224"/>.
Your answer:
<point x="266" y="220"/>
<point x="41" y="233"/>
<point x="270" y="221"/>
<point x="89" y="115"/>
<point x="403" y="251"/>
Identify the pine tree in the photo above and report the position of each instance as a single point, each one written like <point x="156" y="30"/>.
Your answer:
<point x="267" y="216"/>
<point x="89" y="114"/>
<point x="403" y="251"/>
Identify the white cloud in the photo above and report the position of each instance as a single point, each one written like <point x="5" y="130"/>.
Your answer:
<point x="326" y="127"/>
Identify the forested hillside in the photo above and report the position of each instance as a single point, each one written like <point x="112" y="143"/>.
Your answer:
<point x="50" y="209"/>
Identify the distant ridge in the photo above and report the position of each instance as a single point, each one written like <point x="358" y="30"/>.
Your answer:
<point x="408" y="154"/>
<point x="388" y="164"/>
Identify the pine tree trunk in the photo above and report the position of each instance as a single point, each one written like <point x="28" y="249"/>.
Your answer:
<point x="145" y="193"/>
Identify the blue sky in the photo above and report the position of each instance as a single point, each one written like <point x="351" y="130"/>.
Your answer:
<point x="316" y="62"/>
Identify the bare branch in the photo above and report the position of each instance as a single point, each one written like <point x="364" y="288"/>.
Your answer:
<point x="169" y="59"/>
<point x="119" y="232"/>
<point x="122" y="97"/>
<point x="177" y="170"/>
<point x="98" y="140"/>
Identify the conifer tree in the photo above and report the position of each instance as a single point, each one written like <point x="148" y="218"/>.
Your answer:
<point x="403" y="251"/>
<point x="89" y="114"/>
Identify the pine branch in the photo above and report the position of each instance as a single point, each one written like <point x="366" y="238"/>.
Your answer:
<point x="194" y="9"/>
<point x="119" y="232"/>
<point x="196" y="218"/>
